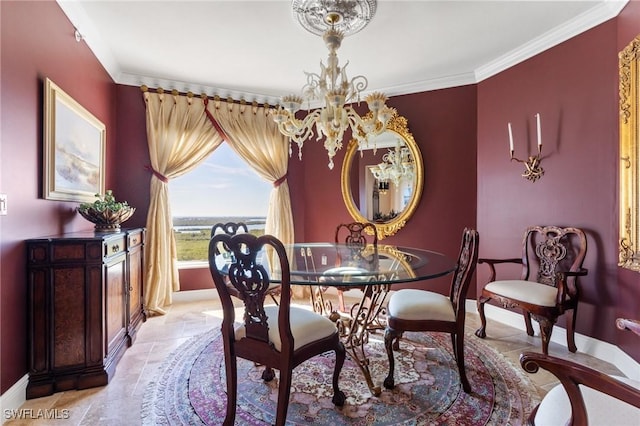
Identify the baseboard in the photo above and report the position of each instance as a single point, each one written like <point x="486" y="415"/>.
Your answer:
<point x="193" y="295"/>
<point x="13" y="398"/>
<point x="588" y="345"/>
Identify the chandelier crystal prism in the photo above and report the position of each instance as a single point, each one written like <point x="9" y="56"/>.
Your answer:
<point x="332" y="85"/>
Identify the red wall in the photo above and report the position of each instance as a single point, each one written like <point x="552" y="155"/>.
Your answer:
<point x="37" y="42"/>
<point x="574" y="87"/>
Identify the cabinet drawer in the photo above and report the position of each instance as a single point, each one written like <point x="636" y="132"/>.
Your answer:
<point x="114" y="246"/>
<point x="134" y="239"/>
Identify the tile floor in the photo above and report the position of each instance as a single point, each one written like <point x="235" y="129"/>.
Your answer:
<point x="119" y="403"/>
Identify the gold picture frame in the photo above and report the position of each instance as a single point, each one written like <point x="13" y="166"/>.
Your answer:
<point x="74" y="149"/>
<point x="629" y="236"/>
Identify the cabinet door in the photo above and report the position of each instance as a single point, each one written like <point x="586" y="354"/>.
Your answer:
<point x="115" y="303"/>
<point x="135" y="310"/>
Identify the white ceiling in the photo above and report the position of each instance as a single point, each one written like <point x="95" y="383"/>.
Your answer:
<point x="256" y="51"/>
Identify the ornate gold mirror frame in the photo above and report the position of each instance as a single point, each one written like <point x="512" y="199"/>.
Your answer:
<point x="397" y="124"/>
<point x="630" y="156"/>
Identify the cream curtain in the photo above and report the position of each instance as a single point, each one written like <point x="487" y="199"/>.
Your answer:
<point x="180" y="136"/>
<point x="254" y="136"/>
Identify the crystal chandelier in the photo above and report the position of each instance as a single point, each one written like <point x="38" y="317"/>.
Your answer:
<point x="332" y="18"/>
<point x="396" y="165"/>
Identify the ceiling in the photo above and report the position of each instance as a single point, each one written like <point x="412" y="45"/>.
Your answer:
<point x="255" y="50"/>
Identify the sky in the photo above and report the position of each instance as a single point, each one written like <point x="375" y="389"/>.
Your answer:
<point x="223" y="185"/>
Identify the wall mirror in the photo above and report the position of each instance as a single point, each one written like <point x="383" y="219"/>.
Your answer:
<point x="630" y="156"/>
<point x="382" y="182"/>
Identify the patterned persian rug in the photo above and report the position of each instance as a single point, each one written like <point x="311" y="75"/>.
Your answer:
<point x="190" y="388"/>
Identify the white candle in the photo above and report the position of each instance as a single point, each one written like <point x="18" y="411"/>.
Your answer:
<point x="539" y="133"/>
<point x="510" y="139"/>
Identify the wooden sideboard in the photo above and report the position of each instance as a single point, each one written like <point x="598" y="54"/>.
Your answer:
<point x="85" y="307"/>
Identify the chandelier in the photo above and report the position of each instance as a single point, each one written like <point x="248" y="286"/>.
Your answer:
<point x="333" y="19"/>
<point x="396" y="165"/>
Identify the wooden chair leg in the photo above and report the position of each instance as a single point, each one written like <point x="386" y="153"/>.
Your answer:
<point x="232" y="390"/>
<point x="527" y="322"/>
<point x="481" y="332"/>
<point x="546" y="328"/>
<point x="268" y="374"/>
<point x="283" y="396"/>
<point x="571" y="323"/>
<point x="338" y="396"/>
<point x="389" y="336"/>
<point x="459" y="352"/>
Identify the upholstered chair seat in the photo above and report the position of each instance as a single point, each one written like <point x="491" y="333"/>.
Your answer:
<point x="306" y="327"/>
<point x="602" y="409"/>
<point x="525" y="291"/>
<point x="412" y="304"/>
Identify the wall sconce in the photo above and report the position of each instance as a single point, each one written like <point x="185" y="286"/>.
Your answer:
<point x="383" y="186"/>
<point x="533" y="169"/>
<point x="78" y="35"/>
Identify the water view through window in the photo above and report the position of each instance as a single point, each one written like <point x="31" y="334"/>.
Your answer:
<point x="221" y="189"/>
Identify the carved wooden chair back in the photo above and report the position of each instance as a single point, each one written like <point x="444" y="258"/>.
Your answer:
<point x="229" y="228"/>
<point x="357" y="236"/>
<point x="233" y="228"/>
<point x="548" y="250"/>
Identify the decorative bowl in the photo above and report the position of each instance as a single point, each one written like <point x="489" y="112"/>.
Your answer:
<point x="107" y="220"/>
<point x="106" y="213"/>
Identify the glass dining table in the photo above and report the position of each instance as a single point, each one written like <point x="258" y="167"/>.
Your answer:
<point x="371" y="269"/>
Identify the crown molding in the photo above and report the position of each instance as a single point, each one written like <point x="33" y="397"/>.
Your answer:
<point x="590" y="19"/>
<point x="584" y="22"/>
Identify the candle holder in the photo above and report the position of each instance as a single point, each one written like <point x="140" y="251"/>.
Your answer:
<point x="533" y="170"/>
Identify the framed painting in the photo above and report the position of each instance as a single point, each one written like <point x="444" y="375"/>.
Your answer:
<point x="74" y="149"/>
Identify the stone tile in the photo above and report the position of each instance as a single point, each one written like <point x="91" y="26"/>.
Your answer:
<point x="119" y="403"/>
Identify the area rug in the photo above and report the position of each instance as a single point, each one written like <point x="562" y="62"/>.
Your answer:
<point x="190" y="388"/>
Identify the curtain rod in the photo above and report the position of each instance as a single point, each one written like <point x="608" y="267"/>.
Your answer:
<point x="216" y="98"/>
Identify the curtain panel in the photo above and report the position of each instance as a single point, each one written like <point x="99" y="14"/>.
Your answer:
<point x="179" y="137"/>
<point x="254" y="136"/>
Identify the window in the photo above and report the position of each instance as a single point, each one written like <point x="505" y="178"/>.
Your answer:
<point x="221" y="189"/>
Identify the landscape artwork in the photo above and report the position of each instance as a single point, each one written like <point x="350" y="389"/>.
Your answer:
<point x="74" y="149"/>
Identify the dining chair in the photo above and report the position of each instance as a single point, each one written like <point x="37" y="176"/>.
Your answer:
<point x="422" y="310"/>
<point x="551" y="262"/>
<point x="278" y="337"/>
<point x="357" y="236"/>
<point x="233" y="228"/>
<point x="585" y="395"/>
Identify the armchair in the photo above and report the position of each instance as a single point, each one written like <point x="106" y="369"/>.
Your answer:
<point x="551" y="262"/>
<point x="584" y="395"/>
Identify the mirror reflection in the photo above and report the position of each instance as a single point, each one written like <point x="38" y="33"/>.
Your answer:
<point x="382" y="181"/>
